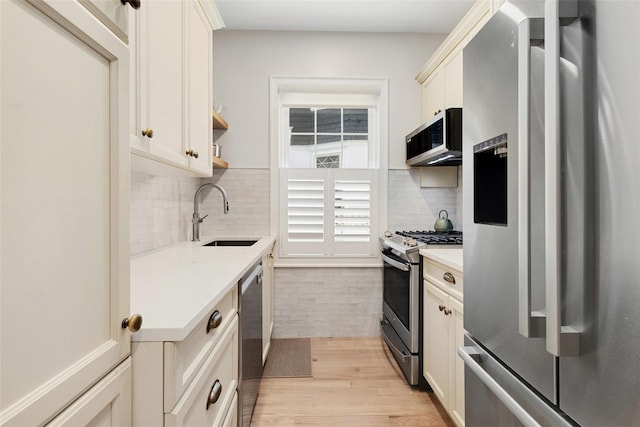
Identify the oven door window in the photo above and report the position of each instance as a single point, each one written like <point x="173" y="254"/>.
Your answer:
<point x="396" y="287"/>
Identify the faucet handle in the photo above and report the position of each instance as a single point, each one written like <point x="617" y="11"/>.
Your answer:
<point x="202" y="218"/>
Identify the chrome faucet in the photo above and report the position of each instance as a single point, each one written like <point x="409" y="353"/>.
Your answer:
<point x="196" y="218"/>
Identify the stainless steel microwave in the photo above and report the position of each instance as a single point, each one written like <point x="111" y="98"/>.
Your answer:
<point x="438" y="142"/>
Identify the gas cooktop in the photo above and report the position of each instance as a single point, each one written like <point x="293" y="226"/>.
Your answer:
<point x="434" y="237"/>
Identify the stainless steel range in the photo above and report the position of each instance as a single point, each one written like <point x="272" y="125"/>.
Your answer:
<point x="400" y="325"/>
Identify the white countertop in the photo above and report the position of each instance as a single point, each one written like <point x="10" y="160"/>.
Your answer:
<point x="175" y="287"/>
<point x="451" y="257"/>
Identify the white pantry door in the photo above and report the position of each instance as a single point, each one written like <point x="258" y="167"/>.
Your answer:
<point x="64" y="230"/>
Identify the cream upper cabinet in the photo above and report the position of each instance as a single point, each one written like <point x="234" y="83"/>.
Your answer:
<point x="113" y="13"/>
<point x="443" y="89"/>
<point x="199" y="52"/>
<point x="64" y="220"/>
<point x="453" y="81"/>
<point x="441" y="76"/>
<point x="171" y="122"/>
<point x="433" y="96"/>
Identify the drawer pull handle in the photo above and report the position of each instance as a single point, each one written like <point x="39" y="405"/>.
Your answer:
<point x="448" y="277"/>
<point x="214" y="394"/>
<point x="214" y="321"/>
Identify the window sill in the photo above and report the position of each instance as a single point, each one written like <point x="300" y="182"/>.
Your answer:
<point x="311" y="262"/>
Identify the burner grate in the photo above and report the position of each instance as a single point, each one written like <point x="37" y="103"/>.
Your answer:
<point x="434" y="237"/>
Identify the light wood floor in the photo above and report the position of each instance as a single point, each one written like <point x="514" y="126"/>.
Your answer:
<point x="356" y="382"/>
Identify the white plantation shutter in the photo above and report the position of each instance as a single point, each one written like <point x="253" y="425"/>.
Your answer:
<point x="305" y="210"/>
<point x="354" y="201"/>
<point x="302" y="212"/>
<point x="352" y="211"/>
<point x="328" y="212"/>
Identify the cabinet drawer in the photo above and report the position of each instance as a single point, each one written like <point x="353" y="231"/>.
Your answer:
<point x="446" y="278"/>
<point x="197" y="407"/>
<point x="183" y="359"/>
<point x="232" y="414"/>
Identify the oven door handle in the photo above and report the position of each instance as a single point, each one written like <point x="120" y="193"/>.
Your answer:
<point x="396" y="264"/>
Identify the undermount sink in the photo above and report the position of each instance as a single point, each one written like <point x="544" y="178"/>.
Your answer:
<point x="231" y="243"/>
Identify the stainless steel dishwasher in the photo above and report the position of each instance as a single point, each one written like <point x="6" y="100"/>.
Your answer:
<point x="250" y="354"/>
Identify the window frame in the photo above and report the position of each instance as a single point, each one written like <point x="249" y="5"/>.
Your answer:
<point x="340" y="93"/>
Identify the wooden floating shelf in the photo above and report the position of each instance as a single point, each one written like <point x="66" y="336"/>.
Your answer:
<point x="219" y="163"/>
<point x="218" y="121"/>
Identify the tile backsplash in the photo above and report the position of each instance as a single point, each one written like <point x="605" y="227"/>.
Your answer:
<point x="414" y="208"/>
<point x="248" y="196"/>
<point x="161" y="207"/>
<point x="161" y="210"/>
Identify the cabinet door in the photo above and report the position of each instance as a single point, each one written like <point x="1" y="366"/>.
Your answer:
<point x="112" y="13"/>
<point x="107" y="403"/>
<point x="453" y="81"/>
<point x="64" y="217"/>
<point x="137" y="84"/>
<point x="198" y="114"/>
<point x="457" y="368"/>
<point x="433" y="95"/>
<point x="436" y="342"/>
<point x="161" y="40"/>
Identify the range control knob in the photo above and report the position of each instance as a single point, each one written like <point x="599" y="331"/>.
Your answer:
<point x="412" y="242"/>
<point x="388" y="234"/>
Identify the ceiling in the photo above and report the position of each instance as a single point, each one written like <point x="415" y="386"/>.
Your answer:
<point x="398" y="16"/>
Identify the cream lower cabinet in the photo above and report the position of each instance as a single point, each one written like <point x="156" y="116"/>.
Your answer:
<point x="443" y="334"/>
<point x="64" y="221"/>
<point x="191" y="382"/>
<point x="171" y="98"/>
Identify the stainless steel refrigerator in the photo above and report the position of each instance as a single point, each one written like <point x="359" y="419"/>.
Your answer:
<point x="551" y="178"/>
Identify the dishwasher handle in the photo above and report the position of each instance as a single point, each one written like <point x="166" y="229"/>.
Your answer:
<point x="254" y="276"/>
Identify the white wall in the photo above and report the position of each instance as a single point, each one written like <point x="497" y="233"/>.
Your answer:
<point x="245" y="60"/>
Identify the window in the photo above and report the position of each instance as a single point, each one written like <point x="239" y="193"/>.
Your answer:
<point x="327" y="207"/>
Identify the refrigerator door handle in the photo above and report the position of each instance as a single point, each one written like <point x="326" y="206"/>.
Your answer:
<point x="530" y="324"/>
<point x="561" y="340"/>
<point x="471" y="359"/>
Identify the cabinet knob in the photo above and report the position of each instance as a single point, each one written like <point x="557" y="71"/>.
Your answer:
<point x="214" y="321"/>
<point x="441" y="307"/>
<point x="195" y="154"/>
<point x="189" y="152"/>
<point x="148" y="132"/>
<point x="447" y="312"/>
<point x="448" y="277"/>
<point x="133" y="323"/>
<point x="214" y="394"/>
<point x="133" y="3"/>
